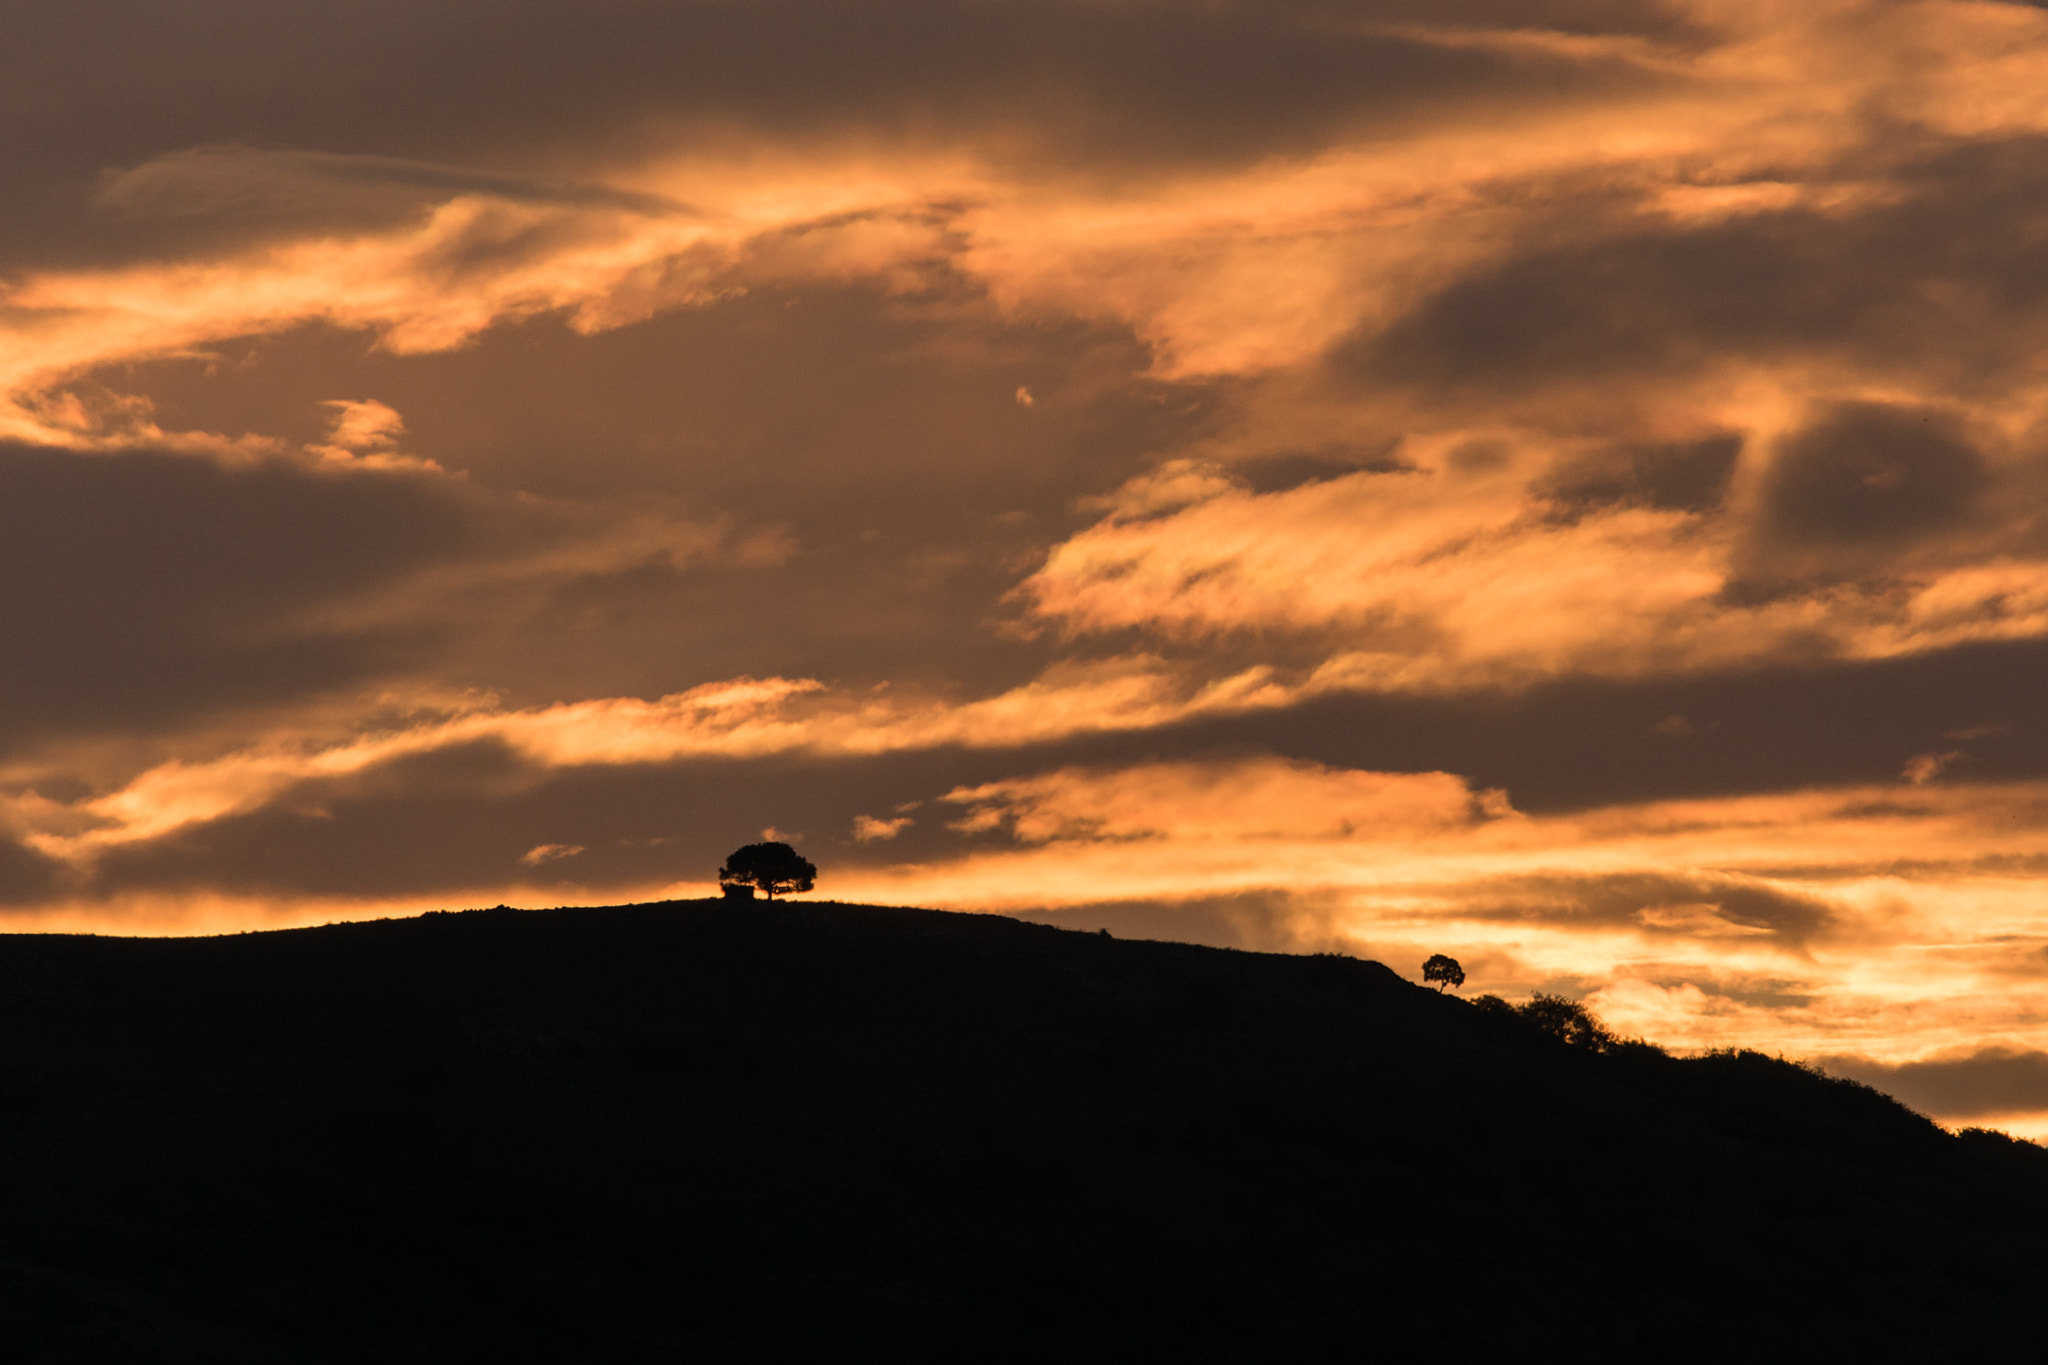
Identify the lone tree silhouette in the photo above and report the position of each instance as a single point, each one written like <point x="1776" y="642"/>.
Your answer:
<point x="1445" y="971"/>
<point x="772" y="867"/>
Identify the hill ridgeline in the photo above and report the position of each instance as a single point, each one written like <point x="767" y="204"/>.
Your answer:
<point x="721" y="1130"/>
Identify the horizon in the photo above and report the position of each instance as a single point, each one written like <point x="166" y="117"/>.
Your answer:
<point x="1557" y="483"/>
<point x="1927" y="1089"/>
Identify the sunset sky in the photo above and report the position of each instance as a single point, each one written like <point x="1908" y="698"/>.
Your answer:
<point x="1562" y="483"/>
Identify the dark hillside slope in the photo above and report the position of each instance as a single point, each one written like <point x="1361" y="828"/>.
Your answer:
<point x="706" y="1130"/>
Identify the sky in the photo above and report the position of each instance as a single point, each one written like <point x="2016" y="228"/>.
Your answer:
<point x="1562" y="483"/>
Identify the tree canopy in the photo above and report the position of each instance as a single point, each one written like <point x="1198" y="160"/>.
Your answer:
<point x="1443" y="970"/>
<point x="775" y="868"/>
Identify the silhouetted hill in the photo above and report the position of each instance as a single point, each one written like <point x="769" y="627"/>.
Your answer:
<point x="706" y="1131"/>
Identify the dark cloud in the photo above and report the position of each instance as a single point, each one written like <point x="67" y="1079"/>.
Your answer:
<point x="1282" y="470"/>
<point x="1627" y="303"/>
<point x="1992" y="1080"/>
<point x="1685" y="476"/>
<point x="1583" y="742"/>
<point x="871" y="446"/>
<point x="140" y="588"/>
<point x="1871" y="474"/>
<point x="27" y="877"/>
<point x="98" y="84"/>
<point x="148" y="129"/>
<point x="1934" y="281"/>
<point x="1680" y="906"/>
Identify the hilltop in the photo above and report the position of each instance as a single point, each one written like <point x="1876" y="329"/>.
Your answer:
<point x="711" y="1130"/>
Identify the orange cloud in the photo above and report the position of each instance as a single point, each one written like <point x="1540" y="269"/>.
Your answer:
<point x="1266" y="798"/>
<point x="1456" y="570"/>
<point x="1813" y="922"/>
<point x="1228" y="270"/>
<point x="743" y="717"/>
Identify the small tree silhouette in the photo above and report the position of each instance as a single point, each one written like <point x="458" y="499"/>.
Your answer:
<point x="1445" y="971"/>
<point x="772" y="867"/>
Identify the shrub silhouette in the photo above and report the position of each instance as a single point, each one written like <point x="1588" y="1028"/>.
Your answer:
<point x="1444" y="971"/>
<point x="774" y="867"/>
<point x="1567" y="1021"/>
<point x="1554" y="1016"/>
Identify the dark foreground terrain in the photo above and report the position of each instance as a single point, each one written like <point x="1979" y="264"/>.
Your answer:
<point x="706" y="1131"/>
